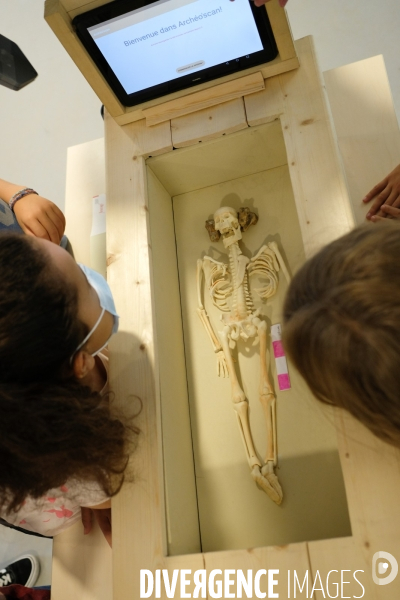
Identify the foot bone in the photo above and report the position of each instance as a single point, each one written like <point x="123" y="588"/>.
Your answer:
<point x="268" y="482"/>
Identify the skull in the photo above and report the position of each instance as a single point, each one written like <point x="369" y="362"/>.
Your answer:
<point x="214" y="235"/>
<point x="226" y="222"/>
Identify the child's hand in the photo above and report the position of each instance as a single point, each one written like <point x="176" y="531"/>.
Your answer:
<point x="386" y="193"/>
<point x="390" y="212"/>
<point x="103" y="517"/>
<point x="40" y="217"/>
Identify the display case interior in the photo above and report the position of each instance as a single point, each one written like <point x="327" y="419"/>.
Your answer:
<point x="212" y="503"/>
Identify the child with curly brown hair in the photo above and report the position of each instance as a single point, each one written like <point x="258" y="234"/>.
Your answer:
<point x="342" y="324"/>
<point x="62" y="448"/>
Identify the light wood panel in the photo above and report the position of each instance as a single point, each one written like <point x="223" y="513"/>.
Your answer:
<point x="318" y="183"/>
<point x="82" y="566"/>
<point x="199" y="100"/>
<point x="265" y="106"/>
<point x="281" y="28"/>
<point x="207" y="164"/>
<point x="281" y="558"/>
<point x="347" y="555"/>
<point x="209" y="123"/>
<point x="183" y="534"/>
<point x="150" y="142"/>
<point x="317" y="178"/>
<point x="366" y="126"/>
<point x="139" y="508"/>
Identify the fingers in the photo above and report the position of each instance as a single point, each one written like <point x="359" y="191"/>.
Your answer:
<point x="58" y="219"/>
<point x="86" y="516"/>
<point x="36" y="229"/>
<point x="41" y="218"/>
<point x="379" y="200"/>
<point x="52" y="232"/>
<point x="376" y="190"/>
<point x="389" y="211"/>
<point x="103" y="517"/>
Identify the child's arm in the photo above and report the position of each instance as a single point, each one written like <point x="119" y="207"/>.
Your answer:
<point x="36" y="215"/>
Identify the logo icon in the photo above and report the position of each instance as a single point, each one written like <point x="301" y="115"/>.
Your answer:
<point x="381" y="562"/>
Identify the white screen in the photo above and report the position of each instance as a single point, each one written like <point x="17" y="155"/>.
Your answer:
<point x="172" y="38"/>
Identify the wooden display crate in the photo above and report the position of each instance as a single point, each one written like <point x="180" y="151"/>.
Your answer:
<point x="139" y="366"/>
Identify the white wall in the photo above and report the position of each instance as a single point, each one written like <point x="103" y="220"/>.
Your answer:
<point x="346" y="31"/>
<point x="59" y="109"/>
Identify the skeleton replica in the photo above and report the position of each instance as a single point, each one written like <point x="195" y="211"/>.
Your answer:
<point x="242" y="320"/>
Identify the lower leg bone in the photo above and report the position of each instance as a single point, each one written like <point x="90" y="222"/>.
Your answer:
<point x="268" y="401"/>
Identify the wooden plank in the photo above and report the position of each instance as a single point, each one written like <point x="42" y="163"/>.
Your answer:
<point x="275" y="67"/>
<point x="172" y="393"/>
<point x="366" y="126"/>
<point x="132" y="355"/>
<point x="196" y="167"/>
<point x="209" y="123"/>
<point x="347" y="555"/>
<point x="81" y="565"/>
<point x="281" y="558"/>
<point x="316" y="174"/>
<point x="278" y="66"/>
<point x="60" y="23"/>
<point x="74" y="11"/>
<point x="204" y="99"/>
<point x="150" y="141"/>
<point x="371" y="471"/>
<point x="281" y="28"/>
<point x="76" y="4"/>
<point x="265" y="106"/>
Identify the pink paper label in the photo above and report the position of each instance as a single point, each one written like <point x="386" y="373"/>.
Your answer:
<point x="284" y="382"/>
<point x="278" y="349"/>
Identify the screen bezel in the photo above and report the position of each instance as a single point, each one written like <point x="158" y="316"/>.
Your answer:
<point x="82" y="22"/>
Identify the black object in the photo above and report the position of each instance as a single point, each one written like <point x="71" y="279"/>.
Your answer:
<point x="23" y="571"/>
<point x="15" y="69"/>
<point x="118" y="8"/>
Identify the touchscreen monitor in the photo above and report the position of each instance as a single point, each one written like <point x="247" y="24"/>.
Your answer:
<point x="148" y="49"/>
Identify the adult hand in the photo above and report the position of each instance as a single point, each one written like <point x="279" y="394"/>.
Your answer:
<point x="261" y="2"/>
<point x="40" y="217"/>
<point x="385" y="194"/>
<point x="103" y="518"/>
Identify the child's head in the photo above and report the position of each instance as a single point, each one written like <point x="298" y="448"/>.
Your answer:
<point x="47" y="307"/>
<point x="53" y="428"/>
<point x="342" y="326"/>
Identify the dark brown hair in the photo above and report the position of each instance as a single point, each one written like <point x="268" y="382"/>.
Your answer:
<point x="53" y="428"/>
<point x="342" y="326"/>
